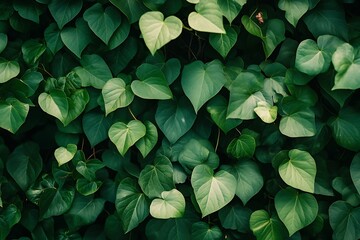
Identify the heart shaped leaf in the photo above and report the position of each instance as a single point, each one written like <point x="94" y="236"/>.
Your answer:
<point x="64" y="155"/>
<point x="266" y="112"/>
<point x="125" y="135"/>
<point x="231" y="8"/>
<point x="212" y="192"/>
<point x="294" y="9"/>
<point x="133" y="9"/>
<point x="202" y="231"/>
<point x="156" y="31"/>
<point x="242" y="147"/>
<point x="148" y="142"/>
<point x="13" y="114"/>
<point x="8" y="70"/>
<point x="54" y="103"/>
<point x="235" y="217"/>
<point x="170" y="205"/>
<point x="58" y="8"/>
<point x="265" y="227"/>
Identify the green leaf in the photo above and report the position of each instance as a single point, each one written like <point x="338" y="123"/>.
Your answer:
<point x="64" y="11"/>
<point x="202" y="231"/>
<point x="86" y="187"/>
<point x="294" y="9"/>
<point x="242" y="147"/>
<point x="94" y="71"/>
<point x="96" y="126"/>
<point x="116" y="95"/>
<point x="13" y="114"/>
<point x="28" y="10"/>
<point x="212" y="192"/>
<point x="355" y="171"/>
<point x="235" y="217"/>
<point x="217" y="107"/>
<point x="24" y="164"/>
<point x="175" y="118"/>
<point x="231" y="8"/>
<point x="88" y="169"/>
<point x="125" y="135"/>
<point x="77" y="103"/>
<point x="346" y="129"/>
<point x="55" y="202"/>
<point x="76" y="39"/>
<point x="275" y="34"/>
<point x="53" y="38"/>
<point x="346" y="62"/>
<point x="201" y="82"/>
<point x="8" y="70"/>
<point x="170" y="205"/>
<point x="344" y="220"/>
<point x="207" y="18"/>
<point x="148" y="142"/>
<point x="102" y="22"/>
<point x="156" y="31"/>
<point x="133" y="9"/>
<point x="266" y="112"/>
<point x="3" y="41"/>
<point x="64" y="155"/>
<point x="152" y="83"/>
<point x="55" y="104"/>
<point x="244" y="96"/>
<point x="298" y="170"/>
<point x="171" y="69"/>
<point x="265" y="227"/>
<point x="120" y="34"/>
<point x="298" y="123"/>
<point x="156" y="178"/>
<point x="11" y="214"/>
<point x="252" y="27"/>
<point x="32" y="50"/>
<point x="295" y="209"/>
<point x="223" y="43"/>
<point x="84" y="211"/>
<point x="131" y="204"/>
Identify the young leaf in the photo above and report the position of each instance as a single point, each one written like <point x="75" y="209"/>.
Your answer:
<point x="355" y="171"/>
<point x="170" y="205"/>
<point x="223" y="42"/>
<point x="242" y="147"/>
<point x="64" y="11"/>
<point x="201" y="82"/>
<point x="8" y="70"/>
<point x="64" y="155"/>
<point x="207" y="18"/>
<point x="212" y="192"/>
<point x="131" y="204"/>
<point x="156" y="31"/>
<point x="295" y="209"/>
<point x="13" y="114"/>
<point x="125" y="135"/>
<point x="266" y="112"/>
<point x="294" y="9"/>
<point x="148" y="142"/>
<point x="265" y="227"/>
<point x="202" y="231"/>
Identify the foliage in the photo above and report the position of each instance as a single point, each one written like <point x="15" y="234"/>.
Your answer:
<point x="179" y="119"/>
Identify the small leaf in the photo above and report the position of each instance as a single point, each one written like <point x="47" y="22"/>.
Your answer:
<point x="64" y="155"/>
<point x="355" y="171"/>
<point x="13" y="114"/>
<point x="64" y="11"/>
<point x="266" y="112"/>
<point x="242" y="147"/>
<point x="156" y="31"/>
<point x="125" y="135"/>
<point x="170" y="205"/>
<point x="148" y="142"/>
<point x="8" y="70"/>
<point x="265" y="227"/>
<point x="223" y="43"/>
<point x="202" y="231"/>
<point x="295" y="209"/>
<point x="212" y="192"/>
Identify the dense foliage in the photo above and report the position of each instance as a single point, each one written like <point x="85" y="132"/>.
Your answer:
<point x="175" y="119"/>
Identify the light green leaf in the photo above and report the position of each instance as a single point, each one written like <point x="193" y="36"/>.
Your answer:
<point x="235" y="217"/>
<point x="156" y="178"/>
<point x="64" y="155"/>
<point x="310" y="59"/>
<point x="13" y="114"/>
<point x="242" y="147"/>
<point x="125" y="135"/>
<point x="102" y="22"/>
<point x="207" y="18"/>
<point x="131" y="204"/>
<point x="64" y="11"/>
<point x="346" y="129"/>
<point x="148" y="142"/>
<point x="212" y="192"/>
<point x="295" y="209"/>
<point x="156" y="31"/>
<point x="8" y="70"/>
<point x="54" y="103"/>
<point x="294" y="9"/>
<point x="252" y="27"/>
<point x="170" y="205"/>
<point x="265" y="227"/>
<point x="355" y="171"/>
<point x="223" y="43"/>
<point x="231" y="8"/>
<point x="298" y="124"/>
<point x="202" y="231"/>
<point x="201" y="82"/>
<point x="116" y="94"/>
<point x="133" y="9"/>
<point x="298" y="170"/>
<point x="266" y="112"/>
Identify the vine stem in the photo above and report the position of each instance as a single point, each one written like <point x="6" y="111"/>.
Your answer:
<point x="217" y="139"/>
<point x="187" y="28"/>
<point x="238" y="131"/>
<point x="132" y="114"/>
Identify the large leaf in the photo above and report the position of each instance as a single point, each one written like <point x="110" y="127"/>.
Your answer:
<point x="202" y="231"/>
<point x="346" y="62"/>
<point x="175" y="118"/>
<point x="64" y="11"/>
<point x="8" y="70"/>
<point x="344" y="220"/>
<point x="223" y="43"/>
<point x="295" y="209"/>
<point x="133" y="9"/>
<point x="235" y="217"/>
<point x="55" y="202"/>
<point x="207" y="18"/>
<point x="156" y="31"/>
<point x="201" y="82"/>
<point x="116" y="94"/>
<point x="125" y="135"/>
<point x="156" y="178"/>
<point x="13" y="114"/>
<point x="148" y="142"/>
<point x="212" y="192"/>
<point x="242" y="147"/>
<point x="298" y="170"/>
<point x="102" y="22"/>
<point x="55" y="104"/>
<point x="131" y="204"/>
<point x="265" y="227"/>
<point x="24" y="164"/>
<point x="355" y="171"/>
<point x="170" y="205"/>
<point x="346" y="129"/>
<point x="231" y="8"/>
<point x="294" y="9"/>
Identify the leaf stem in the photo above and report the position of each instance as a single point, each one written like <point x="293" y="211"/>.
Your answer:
<point x="187" y="28"/>
<point x="217" y="139"/>
<point x="132" y="114"/>
<point x="238" y="131"/>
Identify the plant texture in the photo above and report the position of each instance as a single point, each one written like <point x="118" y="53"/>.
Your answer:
<point x="179" y="119"/>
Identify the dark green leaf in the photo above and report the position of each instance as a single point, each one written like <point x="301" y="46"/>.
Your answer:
<point x="133" y="9"/>
<point x="13" y="114"/>
<point x="202" y="231"/>
<point x="242" y="147"/>
<point x="64" y="11"/>
<point x="265" y="227"/>
<point x="55" y="202"/>
<point x="96" y="126"/>
<point x="235" y="217"/>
